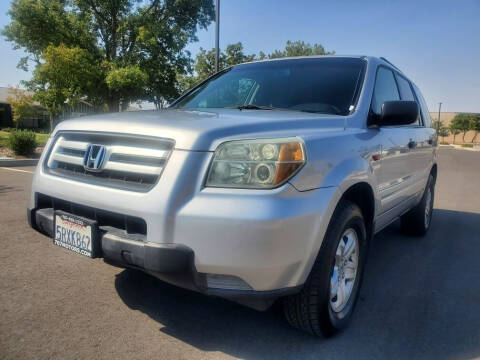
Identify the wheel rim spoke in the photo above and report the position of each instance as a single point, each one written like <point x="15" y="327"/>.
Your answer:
<point x="350" y="272"/>
<point x="349" y="247"/>
<point x="344" y="271"/>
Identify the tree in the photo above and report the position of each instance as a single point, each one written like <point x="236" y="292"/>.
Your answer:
<point x="441" y="129"/>
<point x="126" y="81"/>
<point x="205" y="60"/>
<point x="300" y="48"/>
<point x="22" y="105"/>
<point x="436" y="124"/>
<point x="462" y="123"/>
<point x="131" y="37"/>
<point x="475" y="125"/>
<point x="453" y="130"/>
<point x="65" y="75"/>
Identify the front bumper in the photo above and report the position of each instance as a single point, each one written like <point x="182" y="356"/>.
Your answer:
<point x="268" y="239"/>
<point x="172" y="263"/>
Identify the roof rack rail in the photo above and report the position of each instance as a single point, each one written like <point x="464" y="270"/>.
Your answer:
<point x="384" y="59"/>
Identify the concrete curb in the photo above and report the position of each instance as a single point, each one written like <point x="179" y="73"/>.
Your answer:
<point x="460" y="147"/>
<point x="16" y="163"/>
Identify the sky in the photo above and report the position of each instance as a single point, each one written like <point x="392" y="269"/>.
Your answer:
<point x="436" y="43"/>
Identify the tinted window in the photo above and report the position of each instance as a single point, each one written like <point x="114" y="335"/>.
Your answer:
<point x="385" y="89"/>
<point x="424" y="108"/>
<point x="405" y="90"/>
<point x="407" y="94"/>
<point x="324" y="85"/>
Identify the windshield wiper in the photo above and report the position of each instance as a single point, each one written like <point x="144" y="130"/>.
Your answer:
<point x="252" y="107"/>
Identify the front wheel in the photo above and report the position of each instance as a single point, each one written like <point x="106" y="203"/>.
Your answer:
<point x="417" y="221"/>
<point x="326" y="302"/>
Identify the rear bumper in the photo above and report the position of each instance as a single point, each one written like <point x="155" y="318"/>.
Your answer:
<point x="172" y="263"/>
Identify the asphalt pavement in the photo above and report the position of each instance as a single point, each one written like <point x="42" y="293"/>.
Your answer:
<point x="420" y="297"/>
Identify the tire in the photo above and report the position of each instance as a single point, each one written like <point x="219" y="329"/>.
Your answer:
<point x="417" y="221"/>
<point x="312" y="310"/>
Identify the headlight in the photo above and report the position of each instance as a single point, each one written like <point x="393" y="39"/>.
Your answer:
<point x="256" y="164"/>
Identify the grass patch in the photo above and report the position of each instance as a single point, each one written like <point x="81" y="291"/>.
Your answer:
<point x="41" y="138"/>
<point x="467" y="145"/>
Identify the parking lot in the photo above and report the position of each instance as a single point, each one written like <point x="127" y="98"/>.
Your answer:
<point x="420" y="297"/>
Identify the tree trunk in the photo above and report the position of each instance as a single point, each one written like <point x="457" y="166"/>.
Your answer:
<point x="113" y="104"/>
<point x="51" y="123"/>
<point x="463" y="138"/>
<point x="454" y="135"/>
<point x="474" y="136"/>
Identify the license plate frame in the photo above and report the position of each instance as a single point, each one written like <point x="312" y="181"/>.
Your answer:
<point x="76" y="233"/>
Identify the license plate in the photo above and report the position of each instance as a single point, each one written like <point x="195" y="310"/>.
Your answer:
<point x="75" y="233"/>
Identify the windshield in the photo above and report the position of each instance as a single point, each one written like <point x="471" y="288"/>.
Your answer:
<point x="323" y="85"/>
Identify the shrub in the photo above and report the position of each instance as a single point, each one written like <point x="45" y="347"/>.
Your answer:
<point x="467" y="145"/>
<point x="9" y="129"/>
<point x="22" y="142"/>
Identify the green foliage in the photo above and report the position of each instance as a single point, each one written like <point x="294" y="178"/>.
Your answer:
<point x="467" y="145"/>
<point x="452" y="127"/>
<point x="22" y="142"/>
<point x="300" y="48"/>
<point x="65" y="75"/>
<point x="464" y="122"/>
<point x="441" y="129"/>
<point x="475" y="125"/>
<point x="22" y="104"/>
<point x="149" y="35"/>
<point x="5" y="133"/>
<point x="186" y="82"/>
<point x="127" y="81"/>
<point x="205" y="60"/>
<point x="38" y="24"/>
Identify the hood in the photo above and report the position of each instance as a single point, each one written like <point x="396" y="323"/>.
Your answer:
<point x="205" y="130"/>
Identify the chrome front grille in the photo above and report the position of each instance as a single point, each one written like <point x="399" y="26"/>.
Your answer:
<point x="131" y="162"/>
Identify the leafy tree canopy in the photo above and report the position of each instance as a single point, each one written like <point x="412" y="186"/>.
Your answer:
<point x="463" y="122"/>
<point x="22" y="104"/>
<point x="300" y="48"/>
<point x="143" y="40"/>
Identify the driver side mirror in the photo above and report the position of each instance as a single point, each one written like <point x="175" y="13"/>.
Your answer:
<point x="397" y="113"/>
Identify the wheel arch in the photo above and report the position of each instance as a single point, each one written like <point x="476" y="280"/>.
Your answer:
<point x="434" y="171"/>
<point x="362" y="195"/>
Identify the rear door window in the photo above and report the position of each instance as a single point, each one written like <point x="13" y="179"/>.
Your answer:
<point x="423" y="106"/>
<point x="405" y="89"/>
<point x="385" y="89"/>
<point x="406" y="93"/>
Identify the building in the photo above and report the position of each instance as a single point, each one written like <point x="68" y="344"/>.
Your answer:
<point x="41" y="118"/>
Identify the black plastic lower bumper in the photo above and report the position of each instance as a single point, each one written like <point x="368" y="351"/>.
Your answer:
<point x="173" y="263"/>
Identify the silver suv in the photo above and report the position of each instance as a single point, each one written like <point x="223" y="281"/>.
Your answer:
<point x="266" y="181"/>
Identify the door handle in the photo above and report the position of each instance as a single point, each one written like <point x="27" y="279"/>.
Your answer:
<point x="412" y="144"/>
